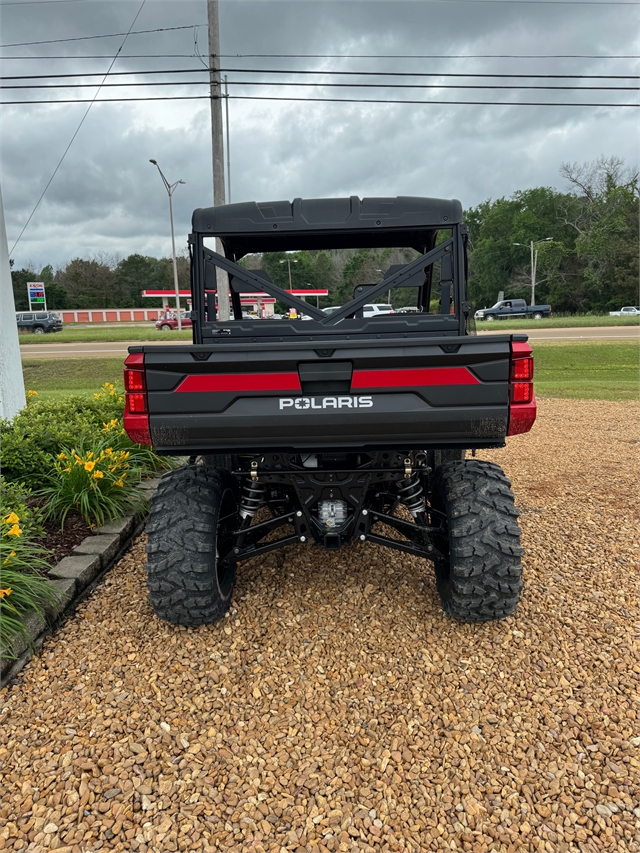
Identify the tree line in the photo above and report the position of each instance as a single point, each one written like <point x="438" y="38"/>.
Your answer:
<point x="586" y="239"/>
<point x="101" y="282"/>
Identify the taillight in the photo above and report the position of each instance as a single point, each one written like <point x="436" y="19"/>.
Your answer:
<point x="522" y="368"/>
<point x="521" y="392"/>
<point x="522" y="403"/>
<point x="134" y="380"/>
<point x="136" y="411"/>
<point x="137" y="403"/>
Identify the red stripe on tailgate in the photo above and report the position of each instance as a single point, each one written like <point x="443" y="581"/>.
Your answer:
<point x="412" y="378"/>
<point x="241" y="382"/>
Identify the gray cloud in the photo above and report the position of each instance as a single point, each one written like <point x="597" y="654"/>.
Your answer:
<point x="107" y="197"/>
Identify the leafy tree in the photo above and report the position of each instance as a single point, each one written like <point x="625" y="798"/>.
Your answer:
<point x="89" y="284"/>
<point x="137" y="273"/>
<point x="19" y="279"/>
<point x="604" y="214"/>
<point x="497" y="264"/>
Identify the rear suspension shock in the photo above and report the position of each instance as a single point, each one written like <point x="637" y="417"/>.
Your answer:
<point x="411" y="494"/>
<point x="252" y="498"/>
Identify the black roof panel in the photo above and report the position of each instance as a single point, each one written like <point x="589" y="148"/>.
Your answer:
<point x="322" y="215"/>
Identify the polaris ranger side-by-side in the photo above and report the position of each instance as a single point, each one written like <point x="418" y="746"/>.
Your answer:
<point x="336" y="429"/>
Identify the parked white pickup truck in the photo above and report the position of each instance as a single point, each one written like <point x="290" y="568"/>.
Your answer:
<point x="628" y="311"/>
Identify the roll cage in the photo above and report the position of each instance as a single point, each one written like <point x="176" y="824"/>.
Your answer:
<point x="322" y="224"/>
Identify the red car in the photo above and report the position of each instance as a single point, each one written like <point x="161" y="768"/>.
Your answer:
<point x="169" y="323"/>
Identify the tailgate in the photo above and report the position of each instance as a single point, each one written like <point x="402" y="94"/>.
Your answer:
<point x="387" y="394"/>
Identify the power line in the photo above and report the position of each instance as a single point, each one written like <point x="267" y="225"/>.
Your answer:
<point x="91" y="103"/>
<point x="107" y="36"/>
<point x="423" y="56"/>
<point x="336" y="55"/>
<point x="329" y="85"/>
<point x="294" y="72"/>
<point x="70" y="56"/>
<point x="327" y="100"/>
<point x="39" y="3"/>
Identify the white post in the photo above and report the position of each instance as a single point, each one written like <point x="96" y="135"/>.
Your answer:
<point x="12" y="396"/>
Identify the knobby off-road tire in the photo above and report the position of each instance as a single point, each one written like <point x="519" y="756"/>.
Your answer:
<point x="192" y="515"/>
<point x="436" y="458"/>
<point x="481" y="579"/>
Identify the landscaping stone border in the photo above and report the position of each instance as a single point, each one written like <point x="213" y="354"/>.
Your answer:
<point x="74" y="578"/>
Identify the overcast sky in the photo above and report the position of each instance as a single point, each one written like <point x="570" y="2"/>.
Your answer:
<point x="107" y="197"/>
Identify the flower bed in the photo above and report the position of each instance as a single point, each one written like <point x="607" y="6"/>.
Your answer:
<point x="67" y="468"/>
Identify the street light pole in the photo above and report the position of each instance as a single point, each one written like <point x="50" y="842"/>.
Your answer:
<point x="295" y="261"/>
<point x="170" y="190"/>
<point x="534" y="264"/>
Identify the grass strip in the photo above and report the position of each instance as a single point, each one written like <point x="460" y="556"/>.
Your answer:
<point x="56" y="378"/>
<point x="557" y="323"/>
<point x="71" y="335"/>
<point x="587" y="370"/>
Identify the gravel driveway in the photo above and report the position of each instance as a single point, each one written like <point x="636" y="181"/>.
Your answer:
<point x="338" y="709"/>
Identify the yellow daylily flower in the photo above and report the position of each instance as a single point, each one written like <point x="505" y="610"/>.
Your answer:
<point x="12" y="518"/>
<point x="61" y="456"/>
<point x="89" y="466"/>
<point x="98" y="475"/>
<point x="15" y="531"/>
<point x="4" y="592"/>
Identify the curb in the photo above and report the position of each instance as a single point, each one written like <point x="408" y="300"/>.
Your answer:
<point x="74" y="579"/>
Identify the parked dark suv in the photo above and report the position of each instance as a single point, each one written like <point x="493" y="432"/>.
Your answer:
<point x="39" y="322"/>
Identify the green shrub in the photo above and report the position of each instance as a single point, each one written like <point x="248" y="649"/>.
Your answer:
<point x="37" y="434"/>
<point x="17" y="498"/>
<point x="95" y="480"/>
<point x="22" y="589"/>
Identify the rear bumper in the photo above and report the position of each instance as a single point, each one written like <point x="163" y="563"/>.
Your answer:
<point x="422" y="428"/>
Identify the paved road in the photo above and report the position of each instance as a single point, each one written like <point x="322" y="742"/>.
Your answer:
<point x="105" y="349"/>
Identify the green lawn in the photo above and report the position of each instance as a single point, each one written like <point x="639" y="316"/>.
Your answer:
<point x="69" y="335"/>
<point x="558" y="323"/>
<point x="59" y="377"/>
<point x="607" y="370"/>
<point x="588" y="370"/>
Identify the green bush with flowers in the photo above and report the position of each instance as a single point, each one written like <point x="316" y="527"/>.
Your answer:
<point x="97" y="483"/>
<point x="22" y="588"/>
<point x="61" y="457"/>
<point x="32" y="440"/>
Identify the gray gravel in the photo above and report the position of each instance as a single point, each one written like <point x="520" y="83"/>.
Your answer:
<point x="338" y="709"/>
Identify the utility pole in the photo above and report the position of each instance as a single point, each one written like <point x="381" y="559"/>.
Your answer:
<point x="12" y="396"/>
<point x="534" y="264"/>
<point x="217" y="144"/>
<point x="226" y="121"/>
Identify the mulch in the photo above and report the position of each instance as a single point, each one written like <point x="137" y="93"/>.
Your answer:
<point x="62" y="541"/>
